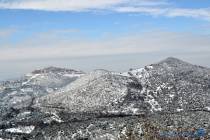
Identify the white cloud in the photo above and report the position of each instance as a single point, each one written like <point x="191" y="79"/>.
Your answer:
<point x="44" y="46"/>
<point x="60" y="5"/>
<point x="151" y="7"/>
<point x="168" y="12"/>
<point x="146" y="10"/>
<point x="75" y="5"/>
<point x="195" y="13"/>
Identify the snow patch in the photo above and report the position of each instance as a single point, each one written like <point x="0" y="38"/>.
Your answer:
<point x="57" y="119"/>
<point x="73" y="75"/>
<point x="54" y="117"/>
<point x="154" y="105"/>
<point x="134" y="110"/>
<point x="124" y="132"/>
<point x="208" y="108"/>
<point x="107" y="136"/>
<point x="171" y="95"/>
<point x="149" y="67"/>
<point x="1" y="89"/>
<point x="179" y="109"/>
<point x="12" y="93"/>
<point x="131" y="109"/>
<point x="27" y="90"/>
<point x="31" y="78"/>
<point x="24" y="113"/>
<point x="21" y="129"/>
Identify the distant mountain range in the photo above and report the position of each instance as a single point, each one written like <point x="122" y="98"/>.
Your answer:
<point x="141" y="104"/>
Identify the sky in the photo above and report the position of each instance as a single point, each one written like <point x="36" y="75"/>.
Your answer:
<point x="108" y="34"/>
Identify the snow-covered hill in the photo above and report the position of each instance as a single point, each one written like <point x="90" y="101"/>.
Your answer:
<point x="68" y="104"/>
<point x="175" y="85"/>
<point x="99" y="91"/>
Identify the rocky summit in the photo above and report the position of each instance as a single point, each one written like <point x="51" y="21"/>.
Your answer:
<point x="166" y="100"/>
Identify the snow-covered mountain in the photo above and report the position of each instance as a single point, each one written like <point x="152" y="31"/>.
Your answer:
<point x="55" y="103"/>
<point x="20" y="93"/>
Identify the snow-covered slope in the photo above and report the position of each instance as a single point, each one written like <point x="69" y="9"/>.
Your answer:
<point x="96" y="91"/>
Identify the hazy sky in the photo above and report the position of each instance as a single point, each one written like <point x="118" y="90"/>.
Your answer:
<point x="110" y="34"/>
